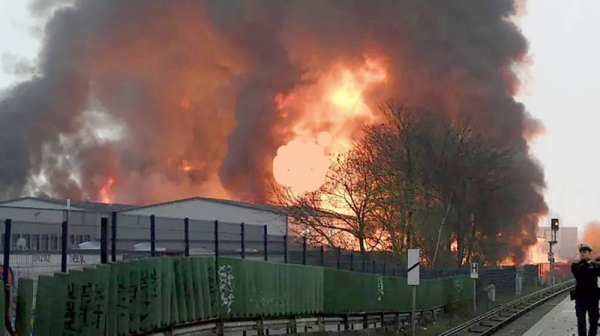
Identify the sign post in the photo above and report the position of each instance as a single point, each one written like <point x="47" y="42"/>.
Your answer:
<point x="414" y="270"/>
<point x="475" y="276"/>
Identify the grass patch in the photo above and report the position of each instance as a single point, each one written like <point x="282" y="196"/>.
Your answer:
<point x="454" y="314"/>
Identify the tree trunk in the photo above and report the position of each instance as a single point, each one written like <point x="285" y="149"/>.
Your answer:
<point x="361" y="242"/>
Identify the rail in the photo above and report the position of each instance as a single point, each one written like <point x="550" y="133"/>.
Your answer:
<point x="490" y="322"/>
<point x="295" y="324"/>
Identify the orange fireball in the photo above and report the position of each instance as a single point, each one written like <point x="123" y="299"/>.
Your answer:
<point x="333" y="111"/>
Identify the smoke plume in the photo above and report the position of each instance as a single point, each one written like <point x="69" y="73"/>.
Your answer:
<point x="178" y="98"/>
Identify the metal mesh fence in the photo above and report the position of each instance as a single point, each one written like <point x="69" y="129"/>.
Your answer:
<point x="36" y="240"/>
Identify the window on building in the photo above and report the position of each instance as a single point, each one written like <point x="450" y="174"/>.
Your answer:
<point x="78" y="239"/>
<point x="87" y="238"/>
<point x="35" y="242"/>
<point x="27" y="239"/>
<point x="53" y="242"/>
<point x="44" y="242"/>
<point x="14" y="240"/>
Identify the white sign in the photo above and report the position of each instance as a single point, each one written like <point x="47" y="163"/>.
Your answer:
<point x="474" y="270"/>
<point x="414" y="267"/>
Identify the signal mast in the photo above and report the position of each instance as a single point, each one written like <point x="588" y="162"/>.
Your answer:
<point x="554" y="224"/>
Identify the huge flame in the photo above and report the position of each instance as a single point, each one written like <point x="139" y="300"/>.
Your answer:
<point x="333" y="109"/>
<point x="106" y="193"/>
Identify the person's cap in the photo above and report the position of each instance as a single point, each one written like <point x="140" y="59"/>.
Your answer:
<point x="585" y="247"/>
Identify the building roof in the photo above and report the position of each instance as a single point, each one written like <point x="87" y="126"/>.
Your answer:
<point x="85" y="205"/>
<point x="253" y="206"/>
<point x="105" y="207"/>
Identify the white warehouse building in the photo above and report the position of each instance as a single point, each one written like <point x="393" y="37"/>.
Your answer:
<point x="37" y="221"/>
<point x="209" y="209"/>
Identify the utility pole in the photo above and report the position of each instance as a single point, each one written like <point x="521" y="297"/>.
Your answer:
<point x="554" y="223"/>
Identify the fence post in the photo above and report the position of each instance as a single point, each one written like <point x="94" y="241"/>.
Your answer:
<point x="243" y="239"/>
<point x="104" y="240"/>
<point x="304" y="256"/>
<point x="285" y="249"/>
<point x="113" y="237"/>
<point x="63" y="246"/>
<point x="322" y="256"/>
<point x="364" y="263"/>
<point x="374" y="267"/>
<point x="266" y="243"/>
<point x="186" y="236"/>
<point x="384" y="268"/>
<point x="7" y="229"/>
<point x="339" y="257"/>
<point x="152" y="236"/>
<point x="216" y="238"/>
<point x="351" y="261"/>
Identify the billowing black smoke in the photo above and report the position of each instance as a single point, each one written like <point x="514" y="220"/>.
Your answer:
<point x="194" y="81"/>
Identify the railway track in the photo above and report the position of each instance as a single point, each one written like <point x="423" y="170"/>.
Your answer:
<point x="494" y="320"/>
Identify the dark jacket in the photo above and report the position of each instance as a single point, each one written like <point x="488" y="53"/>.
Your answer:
<point x="586" y="276"/>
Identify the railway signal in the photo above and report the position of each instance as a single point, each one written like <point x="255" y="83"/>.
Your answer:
<point x="554" y="223"/>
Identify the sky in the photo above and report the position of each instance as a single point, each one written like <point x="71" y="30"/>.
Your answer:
<point x="561" y="89"/>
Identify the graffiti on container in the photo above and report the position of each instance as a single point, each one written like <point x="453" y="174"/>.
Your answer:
<point x="265" y="301"/>
<point x="458" y="285"/>
<point x="226" y="287"/>
<point x="380" y="287"/>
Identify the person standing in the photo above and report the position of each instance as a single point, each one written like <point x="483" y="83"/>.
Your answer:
<point x="587" y="294"/>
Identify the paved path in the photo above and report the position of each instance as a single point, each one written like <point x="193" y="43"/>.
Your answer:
<point x="560" y="321"/>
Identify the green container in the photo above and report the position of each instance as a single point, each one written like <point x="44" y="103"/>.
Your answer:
<point x="134" y="296"/>
<point x="188" y="290"/>
<point x="180" y="284"/>
<point x="198" y="278"/>
<point x="228" y="270"/>
<point x="68" y="287"/>
<point x="209" y="286"/>
<point x="87" y="293"/>
<point x="174" y="295"/>
<point x="24" y="306"/>
<point x="113" y="301"/>
<point x="141" y="296"/>
<point x="123" y="298"/>
<point x="150" y="294"/>
<point x="43" y="306"/>
<point x="156" y="292"/>
<point x="99" y="277"/>
<point x="377" y="293"/>
<point x="166" y="283"/>
<point x="256" y="288"/>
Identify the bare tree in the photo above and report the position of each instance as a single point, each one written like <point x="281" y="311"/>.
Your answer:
<point x="463" y="164"/>
<point x="420" y="179"/>
<point x="338" y="213"/>
<point x="400" y="205"/>
<point x="430" y="167"/>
